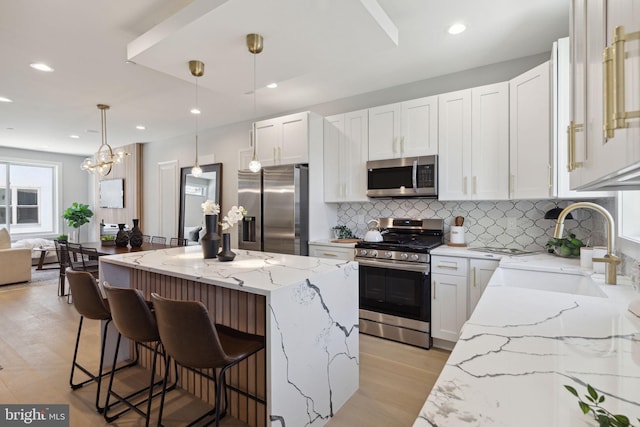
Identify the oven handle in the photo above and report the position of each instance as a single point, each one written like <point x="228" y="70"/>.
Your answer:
<point x="395" y="265"/>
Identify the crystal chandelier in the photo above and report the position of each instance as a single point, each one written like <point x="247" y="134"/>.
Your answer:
<point x="197" y="70"/>
<point x="254" y="43"/>
<point x="102" y="161"/>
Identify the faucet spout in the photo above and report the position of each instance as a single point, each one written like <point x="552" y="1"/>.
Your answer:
<point x="610" y="259"/>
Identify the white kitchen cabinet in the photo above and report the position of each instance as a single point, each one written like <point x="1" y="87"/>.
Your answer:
<point x="322" y="250"/>
<point x="611" y="127"/>
<point x="562" y="96"/>
<point x="530" y="134"/>
<point x="404" y="129"/>
<point x="474" y="143"/>
<point x="345" y="157"/>
<point x="480" y="271"/>
<point x="448" y="297"/>
<point x="283" y="140"/>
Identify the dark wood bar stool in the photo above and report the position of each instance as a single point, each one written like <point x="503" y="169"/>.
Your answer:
<point x="192" y="340"/>
<point x="90" y="304"/>
<point x="134" y="319"/>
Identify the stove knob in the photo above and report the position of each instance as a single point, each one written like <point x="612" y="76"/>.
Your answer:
<point x="388" y="254"/>
<point x="374" y="254"/>
<point x="363" y="252"/>
<point x="404" y="255"/>
<point x="415" y="257"/>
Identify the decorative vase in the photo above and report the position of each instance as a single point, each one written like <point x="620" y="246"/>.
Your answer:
<point x="135" y="236"/>
<point x="210" y="242"/>
<point x="122" y="238"/>
<point x="226" y="254"/>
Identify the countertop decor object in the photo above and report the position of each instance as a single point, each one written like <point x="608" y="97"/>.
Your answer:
<point x="122" y="238"/>
<point x="135" y="236"/>
<point x="235" y="214"/>
<point x="210" y="242"/>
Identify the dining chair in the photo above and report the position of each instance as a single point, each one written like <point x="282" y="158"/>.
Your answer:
<point x="63" y="259"/>
<point x="75" y="256"/>
<point x="158" y="240"/>
<point x="90" y="261"/>
<point x="146" y="238"/>
<point x="177" y="241"/>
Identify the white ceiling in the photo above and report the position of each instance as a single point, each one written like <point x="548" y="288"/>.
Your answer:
<point x="317" y="51"/>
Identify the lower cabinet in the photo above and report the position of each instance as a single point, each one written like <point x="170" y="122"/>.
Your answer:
<point x="480" y="271"/>
<point x="448" y="297"/>
<point x="457" y="284"/>
<point x="320" y="250"/>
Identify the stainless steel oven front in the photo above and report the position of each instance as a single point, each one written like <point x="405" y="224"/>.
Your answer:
<point x="395" y="300"/>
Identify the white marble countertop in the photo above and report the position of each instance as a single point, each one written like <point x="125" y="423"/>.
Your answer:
<point x="255" y="272"/>
<point x="464" y="252"/>
<point x="522" y="346"/>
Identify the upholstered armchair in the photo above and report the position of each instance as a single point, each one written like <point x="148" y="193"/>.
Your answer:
<point x="15" y="263"/>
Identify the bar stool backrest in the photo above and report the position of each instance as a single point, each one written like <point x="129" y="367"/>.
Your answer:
<point x="87" y="298"/>
<point x="187" y="333"/>
<point x="131" y="314"/>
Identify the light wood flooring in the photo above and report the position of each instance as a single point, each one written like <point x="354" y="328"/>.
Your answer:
<point x="37" y="335"/>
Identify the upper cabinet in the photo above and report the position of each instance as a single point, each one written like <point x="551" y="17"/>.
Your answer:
<point x="474" y="143"/>
<point x="605" y="45"/>
<point x="404" y="129"/>
<point x="530" y="134"/>
<point x="345" y="157"/>
<point x="283" y="140"/>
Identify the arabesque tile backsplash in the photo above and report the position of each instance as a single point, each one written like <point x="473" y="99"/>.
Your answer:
<point x="505" y="223"/>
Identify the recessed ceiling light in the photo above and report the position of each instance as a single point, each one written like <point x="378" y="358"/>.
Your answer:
<point x="195" y="111"/>
<point x="74" y="136"/>
<point x="272" y="85"/>
<point x="41" y="67"/>
<point x="3" y="99"/>
<point x="10" y="128"/>
<point x="140" y="127"/>
<point x="457" y="28"/>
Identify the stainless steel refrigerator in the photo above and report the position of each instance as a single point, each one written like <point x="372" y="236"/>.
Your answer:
<point x="277" y="204"/>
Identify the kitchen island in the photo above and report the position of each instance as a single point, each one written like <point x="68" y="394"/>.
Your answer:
<point x="521" y="346"/>
<point x="307" y="309"/>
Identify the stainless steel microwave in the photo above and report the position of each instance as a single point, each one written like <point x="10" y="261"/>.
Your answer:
<point x="405" y="177"/>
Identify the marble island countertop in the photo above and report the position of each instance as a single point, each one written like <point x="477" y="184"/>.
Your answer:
<point x="521" y="346"/>
<point x="256" y="272"/>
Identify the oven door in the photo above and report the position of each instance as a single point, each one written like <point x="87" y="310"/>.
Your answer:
<point x="395" y="288"/>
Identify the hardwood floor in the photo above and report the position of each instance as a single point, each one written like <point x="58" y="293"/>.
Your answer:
<point x="37" y="335"/>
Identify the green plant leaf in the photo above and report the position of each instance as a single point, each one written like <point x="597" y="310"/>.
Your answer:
<point x="622" y="419"/>
<point x="592" y="392"/>
<point x="601" y="399"/>
<point x="571" y="390"/>
<point x="585" y="408"/>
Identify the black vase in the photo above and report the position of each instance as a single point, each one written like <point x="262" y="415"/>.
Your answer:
<point x="135" y="235"/>
<point x="210" y="242"/>
<point x="122" y="238"/>
<point x="226" y="254"/>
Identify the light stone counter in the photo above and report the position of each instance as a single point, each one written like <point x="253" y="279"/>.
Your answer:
<point x="309" y="310"/>
<point x="521" y="346"/>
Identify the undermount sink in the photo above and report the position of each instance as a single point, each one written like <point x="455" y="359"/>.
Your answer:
<point x="567" y="283"/>
<point x="502" y="251"/>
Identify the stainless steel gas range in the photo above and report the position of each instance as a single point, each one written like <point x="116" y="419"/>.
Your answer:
<point x="395" y="280"/>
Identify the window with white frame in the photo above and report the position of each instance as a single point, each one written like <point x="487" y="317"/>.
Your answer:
<point x="28" y="195"/>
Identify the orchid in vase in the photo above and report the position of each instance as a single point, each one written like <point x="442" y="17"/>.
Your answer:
<point x="235" y="214"/>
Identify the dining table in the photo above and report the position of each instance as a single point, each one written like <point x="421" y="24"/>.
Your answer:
<point x="116" y="250"/>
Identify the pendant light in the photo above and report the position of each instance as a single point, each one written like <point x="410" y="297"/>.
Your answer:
<point x="197" y="70"/>
<point x="102" y="161"/>
<point x="254" y="43"/>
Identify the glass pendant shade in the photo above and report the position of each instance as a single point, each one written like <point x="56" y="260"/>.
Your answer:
<point x="102" y="161"/>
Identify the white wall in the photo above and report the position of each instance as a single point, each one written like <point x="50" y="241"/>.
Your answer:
<point x="74" y="182"/>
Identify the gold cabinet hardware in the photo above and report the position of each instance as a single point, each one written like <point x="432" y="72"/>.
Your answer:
<point x="434" y="289"/>
<point x="394" y="145"/>
<point x="474" y="277"/>
<point x="452" y="267"/>
<point x="607" y="74"/>
<point x="464" y="185"/>
<point x="549" y="178"/>
<point x="571" y="146"/>
<point x="402" y="144"/>
<point x="614" y="82"/>
<point x="475" y="184"/>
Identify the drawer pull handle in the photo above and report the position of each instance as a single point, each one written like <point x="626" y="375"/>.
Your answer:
<point x="434" y="289"/>
<point x="452" y="267"/>
<point x="329" y="254"/>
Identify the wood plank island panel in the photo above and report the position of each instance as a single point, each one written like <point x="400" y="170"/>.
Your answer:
<point x="240" y="310"/>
